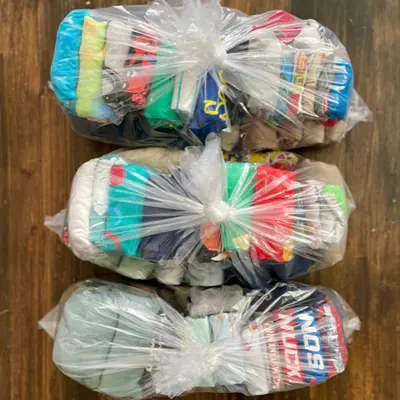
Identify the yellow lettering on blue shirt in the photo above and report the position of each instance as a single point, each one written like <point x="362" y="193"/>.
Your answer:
<point x="211" y="107"/>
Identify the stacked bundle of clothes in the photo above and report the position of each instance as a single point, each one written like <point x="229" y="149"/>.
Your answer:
<point x="105" y="69"/>
<point x="310" y="84"/>
<point x="202" y="68"/>
<point x="187" y="83"/>
<point x="190" y="216"/>
<point x="129" y="343"/>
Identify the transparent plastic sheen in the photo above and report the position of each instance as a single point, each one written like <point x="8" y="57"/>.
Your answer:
<point x="130" y="343"/>
<point x="192" y="216"/>
<point x="163" y="75"/>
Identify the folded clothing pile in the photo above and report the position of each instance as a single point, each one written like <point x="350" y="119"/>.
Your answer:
<point x="87" y="213"/>
<point x="126" y="342"/>
<point x="107" y="64"/>
<point x="190" y="216"/>
<point x="203" y="68"/>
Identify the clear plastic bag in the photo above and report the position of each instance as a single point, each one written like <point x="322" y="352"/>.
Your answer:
<point x="190" y="216"/>
<point x="168" y="76"/>
<point x="129" y="343"/>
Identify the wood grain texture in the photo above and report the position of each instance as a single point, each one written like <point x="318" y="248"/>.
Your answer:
<point x="39" y="155"/>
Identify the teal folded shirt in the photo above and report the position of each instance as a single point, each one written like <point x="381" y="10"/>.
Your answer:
<point x="125" y="208"/>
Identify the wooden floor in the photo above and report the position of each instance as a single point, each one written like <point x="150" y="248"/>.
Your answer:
<point x="40" y="154"/>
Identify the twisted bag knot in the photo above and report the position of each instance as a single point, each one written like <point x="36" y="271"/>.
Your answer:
<point x="180" y="370"/>
<point x="218" y="213"/>
<point x="200" y="357"/>
<point x="220" y="55"/>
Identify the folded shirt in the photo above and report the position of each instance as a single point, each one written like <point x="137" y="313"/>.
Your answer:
<point x="125" y="208"/>
<point x="239" y="195"/>
<point x="65" y="66"/>
<point x="211" y="112"/>
<point x="89" y="102"/>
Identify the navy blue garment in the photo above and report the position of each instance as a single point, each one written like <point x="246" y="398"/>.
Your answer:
<point x="282" y="271"/>
<point x="258" y="274"/>
<point x="210" y="114"/>
<point x="166" y="245"/>
<point x="162" y="246"/>
<point x="283" y="294"/>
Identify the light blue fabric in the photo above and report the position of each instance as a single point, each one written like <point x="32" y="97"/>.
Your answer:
<point x="65" y="65"/>
<point x="200" y="327"/>
<point x="226" y="330"/>
<point x="125" y="210"/>
<point x="101" y="324"/>
<point x="73" y="336"/>
<point x="340" y="90"/>
<point x="201" y="332"/>
<point x="287" y="67"/>
<point x="133" y="330"/>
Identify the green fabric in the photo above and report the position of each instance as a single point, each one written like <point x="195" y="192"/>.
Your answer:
<point x="239" y="194"/>
<point x="340" y="196"/>
<point x="158" y="105"/>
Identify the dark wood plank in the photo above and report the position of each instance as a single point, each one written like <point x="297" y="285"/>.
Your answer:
<point x="39" y="155"/>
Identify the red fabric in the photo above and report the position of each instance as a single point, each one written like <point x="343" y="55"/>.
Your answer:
<point x="330" y="123"/>
<point x="139" y="84"/>
<point x="283" y="24"/>
<point x="117" y="175"/>
<point x="288" y="343"/>
<point x="114" y="238"/>
<point x="272" y="224"/>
